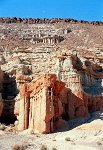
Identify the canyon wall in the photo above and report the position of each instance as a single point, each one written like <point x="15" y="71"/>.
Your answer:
<point x="52" y="71"/>
<point x="48" y="100"/>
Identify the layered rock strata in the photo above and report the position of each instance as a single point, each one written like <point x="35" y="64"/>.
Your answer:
<point x="52" y="70"/>
<point x="47" y="100"/>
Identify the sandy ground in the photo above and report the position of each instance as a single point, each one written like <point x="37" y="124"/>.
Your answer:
<point x="88" y="136"/>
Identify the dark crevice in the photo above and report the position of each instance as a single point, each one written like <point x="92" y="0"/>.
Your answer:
<point x="9" y="92"/>
<point x="9" y="119"/>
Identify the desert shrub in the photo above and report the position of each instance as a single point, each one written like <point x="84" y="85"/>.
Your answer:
<point x="20" y="147"/>
<point x="99" y="143"/>
<point x="43" y="147"/>
<point x="54" y="148"/>
<point x="67" y="139"/>
<point x="54" y="139"/>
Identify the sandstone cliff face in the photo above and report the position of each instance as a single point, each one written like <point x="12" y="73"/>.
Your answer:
<point x="52" y="71"/>
<point x="38" y="105"/>
<point x="55" y="100"/>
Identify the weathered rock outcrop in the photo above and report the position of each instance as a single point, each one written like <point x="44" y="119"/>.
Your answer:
<point x="47" y="100"/>
<point x="52" y="72"/>
<point x="40" y="106"/>
<point x="84" y="83"/>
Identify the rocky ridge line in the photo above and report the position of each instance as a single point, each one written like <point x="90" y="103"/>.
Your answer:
<point x="46" y="21"/>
